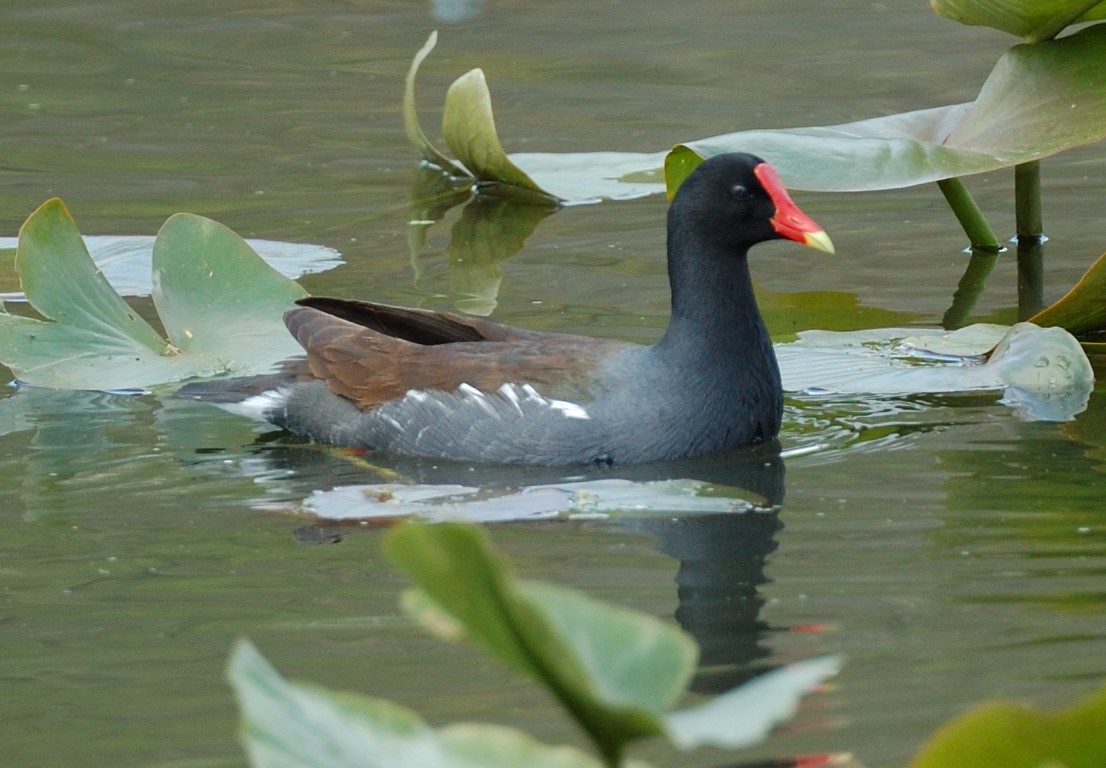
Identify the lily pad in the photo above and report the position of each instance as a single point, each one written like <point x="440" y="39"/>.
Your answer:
<point x="469" y="129"/>
<point x="221" y="307"/>
<point x="606" y="498"/>
<point x="126" y="260"/>
<point x="1042" y="372"/>
<point x="1031" y="19"/>
<point x="289" y="725"/>
<point x="1011" y="735"/>
<point x="468" y="124"/>
<point x="1040" y="99"/>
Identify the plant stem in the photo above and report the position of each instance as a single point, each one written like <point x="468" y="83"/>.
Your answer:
<point x="1030" y="278"/>
<point x="1027" y="202"/>
<point x="968" y="214"/>
<point x="971" y="286"/>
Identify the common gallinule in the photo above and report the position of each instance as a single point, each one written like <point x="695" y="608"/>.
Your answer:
<point x="440" y="385"/>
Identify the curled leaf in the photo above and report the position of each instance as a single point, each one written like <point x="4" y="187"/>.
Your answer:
<point x="415" y="134"/>
<point x="469" y="128"/>
<point x="1082" y="310"/>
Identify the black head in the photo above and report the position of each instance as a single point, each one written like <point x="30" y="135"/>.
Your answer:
<point x="738" y="200"/>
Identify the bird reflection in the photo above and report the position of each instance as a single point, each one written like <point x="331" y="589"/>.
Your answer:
<point x="722" y="559"/>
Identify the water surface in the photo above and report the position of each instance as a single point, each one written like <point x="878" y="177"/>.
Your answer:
<point x="949" y="550"/>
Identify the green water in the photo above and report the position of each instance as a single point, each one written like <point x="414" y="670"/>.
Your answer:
<point x="949" y="550"/>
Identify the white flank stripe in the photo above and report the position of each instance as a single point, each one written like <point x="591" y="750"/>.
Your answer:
<point x="571" y="410"/>
<point x="510" y="393"/>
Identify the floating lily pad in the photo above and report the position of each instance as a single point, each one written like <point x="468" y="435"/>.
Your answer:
<point x="608" y="497"/>
<point x="1042" y="372"/>
<point x="126" y="260"/>
<point x="220" y="305"/>
<point x="740" y="718"/>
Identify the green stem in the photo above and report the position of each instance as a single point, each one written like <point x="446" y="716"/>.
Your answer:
<point x="970" y="287"/>
<point x="1030" y="278"/>
<point x="968" y="214"/>
<point x="1027" y="202"/>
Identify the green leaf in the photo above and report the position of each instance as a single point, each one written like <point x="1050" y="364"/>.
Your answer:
<point x="1082" y="310"/>
<point x="745" y="715"/>
<point x="54" y="267"/>
<point x="213" y="293"/>
<point x="469" y="129"/>
<point x="1009" y="735"/>
<point x="614" y="670"/>
<point x="221" y="306"/>
<point x="1040" y="99"/>
<point x="415" y="134"/>
<point x="125" y="260"/>
<point x="1031" y="19"/>
<point x="678" y="165"/>
<point x="286" y="725"/>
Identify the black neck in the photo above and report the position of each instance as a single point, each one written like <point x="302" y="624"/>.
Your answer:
<point x="716" y="347"/>
<point x="714" y="310"/>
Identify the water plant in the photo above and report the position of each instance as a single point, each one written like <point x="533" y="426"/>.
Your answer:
<point x="205" y="279"/>
<point x="1042" y="97"/>
<point x="616" y="672"/>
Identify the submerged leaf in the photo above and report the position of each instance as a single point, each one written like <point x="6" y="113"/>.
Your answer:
<point x="1010" y="735"/>
<point x="613" y="669"/>
<point x="288" y="725"/>
<point x="1081" y="310"/>
<point x="1031" y="19"/>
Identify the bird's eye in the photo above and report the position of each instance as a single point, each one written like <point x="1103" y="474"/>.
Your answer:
<point x="740" y="192"/>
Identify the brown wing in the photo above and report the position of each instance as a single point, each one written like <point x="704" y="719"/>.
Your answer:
<point x="420" y="326"/>
<point x="372" y="353"/>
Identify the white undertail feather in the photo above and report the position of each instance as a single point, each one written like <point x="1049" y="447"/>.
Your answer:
<point x="259" y="406"/>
